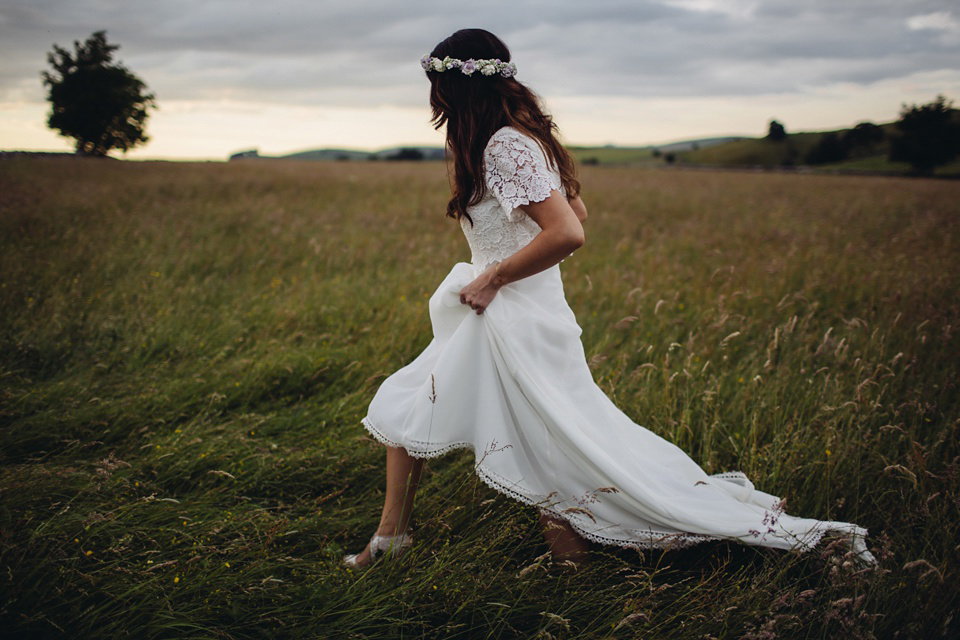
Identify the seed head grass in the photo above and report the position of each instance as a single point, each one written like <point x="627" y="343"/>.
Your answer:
<point x="187" y="350"/>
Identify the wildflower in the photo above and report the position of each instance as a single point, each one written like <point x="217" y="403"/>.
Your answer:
<point x="828" y="452"/>
<point x="226" y="564"/>
<point x="87" y="553"/>
<point x="176" y="579"/>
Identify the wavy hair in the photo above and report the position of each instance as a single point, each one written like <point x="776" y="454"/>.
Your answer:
<point x="474" y="107"/>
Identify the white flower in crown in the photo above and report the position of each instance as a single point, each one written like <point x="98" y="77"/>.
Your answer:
<point x="467" y="68"/>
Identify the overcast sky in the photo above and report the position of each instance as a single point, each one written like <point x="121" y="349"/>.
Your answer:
<point x="288" y="75"/>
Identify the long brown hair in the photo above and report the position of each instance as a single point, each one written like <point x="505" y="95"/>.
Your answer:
<point x="475" y="107"/>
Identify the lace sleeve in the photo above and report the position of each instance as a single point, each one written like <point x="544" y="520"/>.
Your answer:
<point x="517" y="172"/>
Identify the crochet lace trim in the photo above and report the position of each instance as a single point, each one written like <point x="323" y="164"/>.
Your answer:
<point x="583" y="524"/>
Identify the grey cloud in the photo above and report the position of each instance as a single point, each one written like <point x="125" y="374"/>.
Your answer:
<point x="366" y="52"/>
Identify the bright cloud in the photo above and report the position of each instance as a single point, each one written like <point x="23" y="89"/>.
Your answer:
<point x="936" y="21"/>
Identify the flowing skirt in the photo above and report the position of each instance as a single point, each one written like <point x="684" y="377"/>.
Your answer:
<point x="513" y="385"/>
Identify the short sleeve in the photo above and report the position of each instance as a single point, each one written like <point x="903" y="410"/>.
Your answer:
<point x="517" y="172"/>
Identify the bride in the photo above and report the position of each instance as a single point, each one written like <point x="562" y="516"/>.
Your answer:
<point x="505" y="374"/>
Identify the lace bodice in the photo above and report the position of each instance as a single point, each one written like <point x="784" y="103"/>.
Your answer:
<point x="516" y="173"/>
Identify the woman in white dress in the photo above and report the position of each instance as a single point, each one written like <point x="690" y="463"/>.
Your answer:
<point x="505" y="374"/>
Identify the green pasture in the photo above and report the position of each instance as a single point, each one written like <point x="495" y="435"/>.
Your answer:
<point x="639" y="156"/>
<point x="794" y="150"/>
<point x="186" y="351"/>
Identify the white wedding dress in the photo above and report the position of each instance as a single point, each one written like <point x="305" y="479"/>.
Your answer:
<point x="513" y="385"/>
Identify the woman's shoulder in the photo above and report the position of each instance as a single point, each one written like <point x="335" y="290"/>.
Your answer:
<point x="509" y="141"/>
<point x="517" y="171"/>
<point x="507" y="134"/>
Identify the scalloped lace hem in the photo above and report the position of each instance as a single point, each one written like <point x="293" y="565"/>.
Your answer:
<point x="630" y="538"/>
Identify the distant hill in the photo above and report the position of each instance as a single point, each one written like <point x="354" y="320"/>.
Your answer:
<point x="813" y="150"/>
<point x="694" y="145"/>
<point x="643" y="156"/>
<point x="609" y="154"/>
<point x="327" y="154"/>
<point x="351" y="155"/>
<point x="808" y="149"/>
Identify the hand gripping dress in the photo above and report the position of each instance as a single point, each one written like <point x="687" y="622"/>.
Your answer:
<point x="513" y="385"/>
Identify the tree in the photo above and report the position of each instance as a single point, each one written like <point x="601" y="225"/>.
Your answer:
<point x="829" y="148"/>
<point x="406" y="153"/>
<point x="776" y="131"/>
<point x="864" y="136"/>
<point x="95" y="100"/>
<point x="927" y="136"/>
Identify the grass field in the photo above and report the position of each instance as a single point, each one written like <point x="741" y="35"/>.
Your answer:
<point x="186" y="351"/>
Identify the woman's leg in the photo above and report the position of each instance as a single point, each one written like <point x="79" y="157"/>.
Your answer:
<point x="563" y="541"/>
<point x="403" y="477"/>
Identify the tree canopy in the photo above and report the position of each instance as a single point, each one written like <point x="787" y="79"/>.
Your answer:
<point x="864" y="136"/>
<point x="776" y="131"/>
<point x="860" y="141"/>
<point x="96" y="101"/>
<point x="927" y="136"/>
<point x="830" y="148"/>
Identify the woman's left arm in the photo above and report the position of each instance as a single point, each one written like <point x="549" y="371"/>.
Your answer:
<point x="561" y="234"/>
<point x="579" y="208"/>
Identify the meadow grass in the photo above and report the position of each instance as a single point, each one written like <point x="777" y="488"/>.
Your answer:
<point x="186" y="351"/>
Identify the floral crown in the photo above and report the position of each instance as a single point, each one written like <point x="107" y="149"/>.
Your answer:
<point x="468" y="67"/>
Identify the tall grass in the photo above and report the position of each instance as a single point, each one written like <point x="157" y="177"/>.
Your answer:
<point x="186" y="351"/>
